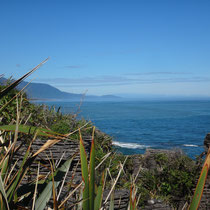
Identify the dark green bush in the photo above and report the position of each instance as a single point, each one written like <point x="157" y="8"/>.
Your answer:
<point x="173" y="178"/>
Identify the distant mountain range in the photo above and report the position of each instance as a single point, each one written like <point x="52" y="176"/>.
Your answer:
<point x="41" y="91"/>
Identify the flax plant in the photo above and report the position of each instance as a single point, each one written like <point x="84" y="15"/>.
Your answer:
<point x="201" y="183"/>
<point x="90" y="201"/>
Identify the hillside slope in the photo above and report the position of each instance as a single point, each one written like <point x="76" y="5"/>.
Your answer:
<point x="43" y="91"/>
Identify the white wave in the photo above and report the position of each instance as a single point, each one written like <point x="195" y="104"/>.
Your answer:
<point x="190" y="145"/>
<point x="129" y="145"/>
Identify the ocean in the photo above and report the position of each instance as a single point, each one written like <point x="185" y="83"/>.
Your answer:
<point x="138" y="125"/>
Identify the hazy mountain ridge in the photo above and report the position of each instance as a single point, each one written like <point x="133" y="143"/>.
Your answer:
<point x="42" y="91"/>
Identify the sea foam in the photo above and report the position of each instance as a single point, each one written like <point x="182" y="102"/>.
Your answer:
<point x="129" y="145"/>
<point x="190" y="145"/>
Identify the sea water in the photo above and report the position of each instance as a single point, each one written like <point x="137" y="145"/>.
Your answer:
<point x="137" y="125"/>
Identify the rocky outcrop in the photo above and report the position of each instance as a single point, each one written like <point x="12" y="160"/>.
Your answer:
<point x="121" y="199"/>
<point x="157" y="205"/>
<point x="207" y="142"/>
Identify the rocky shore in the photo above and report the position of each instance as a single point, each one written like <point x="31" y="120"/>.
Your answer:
<point x="147" y="162"/>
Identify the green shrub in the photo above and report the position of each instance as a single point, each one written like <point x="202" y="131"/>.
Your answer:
<point x="173" y="178"/>
<point x="61" y="127"/>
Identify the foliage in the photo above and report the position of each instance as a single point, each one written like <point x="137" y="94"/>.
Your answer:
<point x="172" y="178"/>
<point x="90" y="201"/>
<point x="30" y="130"/>
<point x="8" y="114"/>
<point x="61" y="127"/>
<point x="46" y="193"/>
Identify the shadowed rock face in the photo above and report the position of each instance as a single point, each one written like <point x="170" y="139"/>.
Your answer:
<point x="207" y="142"/>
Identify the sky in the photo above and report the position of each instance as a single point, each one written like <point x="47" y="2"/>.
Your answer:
<point x="158" y="47"/>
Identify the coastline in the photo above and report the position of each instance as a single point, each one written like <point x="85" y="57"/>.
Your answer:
<point x="139" y="125"/>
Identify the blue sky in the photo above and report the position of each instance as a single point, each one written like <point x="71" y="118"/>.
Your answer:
<point x="109" y="47"/>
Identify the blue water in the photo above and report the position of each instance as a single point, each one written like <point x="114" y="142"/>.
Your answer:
<point x="137" y="125"/>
